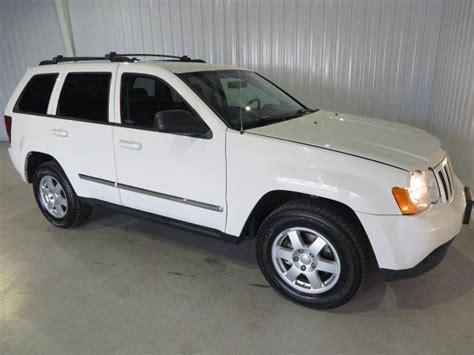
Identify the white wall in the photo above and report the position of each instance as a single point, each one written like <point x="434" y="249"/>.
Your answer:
<point x="372" y="58"/>
<point x="452" y="105"/>
<point x="29" y="32"/>
<point x="369" y="57"/>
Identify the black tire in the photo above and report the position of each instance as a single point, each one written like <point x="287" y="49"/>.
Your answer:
<point x="345" y="236"/>
<point x="77" y="211"/>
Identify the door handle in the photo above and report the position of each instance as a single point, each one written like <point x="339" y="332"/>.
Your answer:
<point x="130" y="145"/>
<point x="59" y="132"/>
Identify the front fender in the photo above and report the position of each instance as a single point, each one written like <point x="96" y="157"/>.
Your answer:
<point x="257" y="165"/>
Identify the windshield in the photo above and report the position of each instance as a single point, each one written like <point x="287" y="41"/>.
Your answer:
<point x="230" y="94"/>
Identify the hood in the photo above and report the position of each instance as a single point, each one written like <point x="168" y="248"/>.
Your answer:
<point x="383" y="141"/>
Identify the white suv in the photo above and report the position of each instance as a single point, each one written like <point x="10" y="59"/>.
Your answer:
<point x="227" y="153"/>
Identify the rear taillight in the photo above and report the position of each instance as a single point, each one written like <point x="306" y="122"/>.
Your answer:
<point x="8" y="127"/>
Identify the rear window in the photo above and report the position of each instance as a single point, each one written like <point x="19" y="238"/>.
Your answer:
<point x="36" y="94"/>
<point x="85" y="96"/>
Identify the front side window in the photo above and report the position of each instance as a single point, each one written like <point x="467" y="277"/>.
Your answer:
<point x="142" y="96"/>
<point x="85" y="96"/>
<point x="244" y="95"/>
<point x="35" y="97"/>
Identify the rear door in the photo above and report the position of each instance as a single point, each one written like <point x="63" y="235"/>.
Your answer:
<point x="171" y="175"/>
<point x="81" y="131"/>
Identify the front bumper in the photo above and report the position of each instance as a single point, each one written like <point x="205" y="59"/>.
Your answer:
<point x="428" y="263"/>
<point x="401" y="243"/>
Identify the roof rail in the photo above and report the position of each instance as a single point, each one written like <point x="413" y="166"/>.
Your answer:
<point x="184" y="58"/>
<point x="118" y="57"/>
<point x="61" y="59"/>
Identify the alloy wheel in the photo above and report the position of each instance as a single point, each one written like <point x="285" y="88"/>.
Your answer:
<point x="306" y="260"/>
<point x="52" y="196"/>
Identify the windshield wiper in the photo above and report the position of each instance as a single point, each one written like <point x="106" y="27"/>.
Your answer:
<point x="301" y="112"/>
<point x="266" y="121"/>
<point x="306" y="111"/>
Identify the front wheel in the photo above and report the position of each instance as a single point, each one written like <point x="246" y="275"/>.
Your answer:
<point x="311" y="254"/>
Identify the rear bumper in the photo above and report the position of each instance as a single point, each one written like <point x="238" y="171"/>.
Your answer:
<point x="403" y="243"/>
<point x="17" y="162"/>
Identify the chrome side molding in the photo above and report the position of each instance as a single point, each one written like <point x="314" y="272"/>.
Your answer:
<point x="97" y="180"/>
<point x="161" y="195"/>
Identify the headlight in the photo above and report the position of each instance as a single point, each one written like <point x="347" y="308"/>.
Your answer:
<point x="423" y="191"/>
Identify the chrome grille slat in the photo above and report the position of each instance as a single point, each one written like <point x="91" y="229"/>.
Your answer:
<point x="448" y="178"/>
<point x="444" y="178"/>
<point x="443" y="185"/>
<point x="450" y="170"/>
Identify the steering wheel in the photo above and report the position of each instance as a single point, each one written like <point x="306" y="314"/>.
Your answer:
<point x="251" y="101"/>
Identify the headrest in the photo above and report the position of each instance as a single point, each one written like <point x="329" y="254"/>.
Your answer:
<point x="138" y="93"/>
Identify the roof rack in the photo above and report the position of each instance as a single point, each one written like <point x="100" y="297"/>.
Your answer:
<point x="118" y="57"/>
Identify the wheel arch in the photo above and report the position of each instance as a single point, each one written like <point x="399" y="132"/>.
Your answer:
<point x="33" y="160"/>
<point x="276" y="198"/>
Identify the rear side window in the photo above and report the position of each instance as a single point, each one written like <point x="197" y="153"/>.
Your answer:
<point x="85" y="96"/>
<point x="36" y="94"/>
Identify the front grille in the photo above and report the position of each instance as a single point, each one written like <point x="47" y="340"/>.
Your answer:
<point x="444" y="178"/>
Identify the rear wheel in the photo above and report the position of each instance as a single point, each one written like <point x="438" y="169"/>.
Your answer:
<point x="56" y="198"/>
<point x="311" y="254"/>
<point x="52" y="196"/>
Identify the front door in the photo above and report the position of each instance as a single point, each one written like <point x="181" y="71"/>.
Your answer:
<point x="171" y="175"/>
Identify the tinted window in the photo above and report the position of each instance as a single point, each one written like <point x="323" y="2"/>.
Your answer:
<point x="35" y="96"/>
<point x="85" y="96"/>
<point x="141" y="97"/>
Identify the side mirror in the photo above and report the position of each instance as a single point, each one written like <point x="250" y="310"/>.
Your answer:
<point x="180" y="122"/>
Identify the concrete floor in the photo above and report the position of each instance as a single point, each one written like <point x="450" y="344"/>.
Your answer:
<point x="123" y="285"/>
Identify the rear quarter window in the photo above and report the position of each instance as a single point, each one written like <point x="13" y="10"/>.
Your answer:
<point x="36" y="94"/>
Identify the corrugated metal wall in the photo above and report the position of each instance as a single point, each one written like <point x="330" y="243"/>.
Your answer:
<point x="452" y="107"/>
<point x="369" y="57"/>
<point x="29" y="32"/>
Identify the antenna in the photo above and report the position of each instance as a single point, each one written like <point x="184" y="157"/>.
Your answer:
<point x="238" y="60"/>
<point x="240" y="103"/>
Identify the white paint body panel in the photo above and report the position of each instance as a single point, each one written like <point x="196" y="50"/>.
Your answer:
<point x="365" y="159"/>
<point x="392" y="143"/>
<point x="257" y="165"/>
<point x="185" y="167"/>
